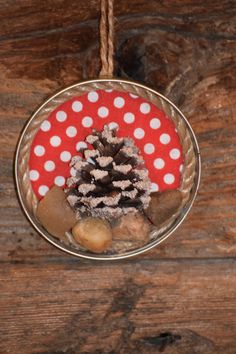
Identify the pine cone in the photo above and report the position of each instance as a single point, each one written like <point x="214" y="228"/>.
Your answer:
<point x="109" y="180"/>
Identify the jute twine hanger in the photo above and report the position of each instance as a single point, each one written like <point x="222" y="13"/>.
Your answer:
<point x="106" y="38"/>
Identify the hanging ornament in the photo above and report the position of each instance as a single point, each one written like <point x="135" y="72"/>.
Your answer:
<point x="107" y="168"/>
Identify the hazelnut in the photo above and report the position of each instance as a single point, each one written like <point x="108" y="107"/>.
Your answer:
<point x="130" y="231"/>
<point x="93" y="234"/>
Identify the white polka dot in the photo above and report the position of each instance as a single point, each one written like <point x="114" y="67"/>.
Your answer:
<point x="43" y="190"/>
<point x="159" y="163"/>
<point x="139" y="133"/>
<point x="169" y="178"/>
<point x="149" y="148"/>
<point x="175" y="154"/>
<point x="55" y="141"/>
<point x="49" y="166"/>
<point x="73" y="172"/>
<point x="154" y="187"/>
<point x="81" y="145"/>
<point x="181" y="168"/>
<point x="71" y="131"/>
<point x="109" y="90"/>
<point x="59" y="181"/>
<point x="65" y="156"/>
<point x="165" y="139"/>
<point x="92" y="96"/>
<point x="87" y="122"/>
<point x="113" y="125"/>
<point x="39" y="150"/>
<point x="133" y="96"/>
<point x="45" y="126"/>
<point x="34" y="175"/>
<point x="155" y="123"/>
<point x="61" y="116"/>
<point x="77" y="106"/>
<point x="103" y="112"/>
<point x="145" y="108"/>
<point x="129" y="117"/>
<point x="119" y="102"/>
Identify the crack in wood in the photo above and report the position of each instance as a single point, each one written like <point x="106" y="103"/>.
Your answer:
<point x="162" y="340"/>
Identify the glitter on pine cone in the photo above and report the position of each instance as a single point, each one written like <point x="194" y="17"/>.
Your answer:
<point x="109" y="180"/>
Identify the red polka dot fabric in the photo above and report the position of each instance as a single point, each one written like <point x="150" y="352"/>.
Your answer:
<point x="64" y="132"/>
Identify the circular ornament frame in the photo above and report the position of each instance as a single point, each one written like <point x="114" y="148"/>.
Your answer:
<point x="190" y="176"/>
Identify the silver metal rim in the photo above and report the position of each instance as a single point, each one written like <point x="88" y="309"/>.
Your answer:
<point x="128" y="254"/>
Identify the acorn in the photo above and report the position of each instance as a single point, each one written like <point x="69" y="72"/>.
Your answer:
<point x="94" y="234"/>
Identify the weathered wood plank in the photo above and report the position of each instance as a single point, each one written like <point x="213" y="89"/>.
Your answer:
<point x="77" y="307"/>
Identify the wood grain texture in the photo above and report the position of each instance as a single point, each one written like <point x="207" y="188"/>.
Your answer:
<point x="181" y="297"/>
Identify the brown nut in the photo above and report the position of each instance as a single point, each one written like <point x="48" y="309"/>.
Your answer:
<point x="163" y="205"/>
<point x="93" y="234"/>
<point x="55" y="214"/>
<point x="131" y="230"/>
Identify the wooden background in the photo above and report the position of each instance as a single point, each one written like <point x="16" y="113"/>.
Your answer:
<point x="180" y="297"/>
